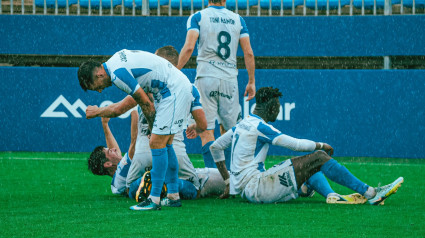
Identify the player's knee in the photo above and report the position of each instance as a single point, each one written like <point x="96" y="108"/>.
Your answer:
<point x="321" y="156"/>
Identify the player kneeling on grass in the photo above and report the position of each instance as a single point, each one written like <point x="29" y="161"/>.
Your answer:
<point x="109" y="161"/>
<point x="250" y="141"/>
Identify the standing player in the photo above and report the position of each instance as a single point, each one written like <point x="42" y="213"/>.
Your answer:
<point x="250" y="141"/>
<point x="218" y="32"/>
<point x="138" y="73"/>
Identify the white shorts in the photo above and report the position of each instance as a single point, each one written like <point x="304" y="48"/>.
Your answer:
<point x="172" y="111"/>
<point x="142" y="161"/>
<point x="220" y="100"/>
<point x="276" y="184"/>
<point x="214" y="185"/>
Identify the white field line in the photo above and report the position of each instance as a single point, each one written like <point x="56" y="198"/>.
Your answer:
<point x="26" y="158"/>
<point x="200" y="160"/>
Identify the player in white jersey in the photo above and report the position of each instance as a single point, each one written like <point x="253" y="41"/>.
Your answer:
<point x="218" y="32"/>
<point x="138" y="73"/>
<point x="109" y="160"/>
<point x="250" y="141"/>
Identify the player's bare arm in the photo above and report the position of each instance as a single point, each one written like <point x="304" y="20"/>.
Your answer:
<point x="250" y="66"/>
<point x="146" y="105"/>
<point x="200" y="126"/>
<point x="113" y="110"/>
<point x="187" y="50"/>
<point x="221" y="166"/>
<point x="111" y="143"/>
<point x="133" y="133"/>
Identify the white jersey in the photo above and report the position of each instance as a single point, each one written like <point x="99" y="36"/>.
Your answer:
<point x="250" y="141"/>
<point x="118" y="183"/>
<point x="219" y="33"/>
<point x="131" y="69"/>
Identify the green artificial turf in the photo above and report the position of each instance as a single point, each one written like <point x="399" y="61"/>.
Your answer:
<point x="54" y="195"/>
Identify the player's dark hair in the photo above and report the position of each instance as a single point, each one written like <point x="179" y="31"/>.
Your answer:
<point x="215" y="1"/>
<point x="169" y="53"/>
<point x="85" y="73"/>
<point x="266" y="94"/>
<point x="96" y="161"/>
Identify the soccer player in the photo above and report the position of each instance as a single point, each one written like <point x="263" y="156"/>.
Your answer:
<point x="138" y="73"/>
<point x="250" y="140"/>
<point x="109" y="161"/>
<point x="218" y="32"/>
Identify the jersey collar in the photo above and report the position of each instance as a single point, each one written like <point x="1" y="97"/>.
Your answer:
<point x="253" y="115"/>
<point x="106" y="69"/>
<point x="217" y="7"/>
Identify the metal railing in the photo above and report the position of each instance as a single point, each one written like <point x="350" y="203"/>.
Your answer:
<point x="187" y="7"/>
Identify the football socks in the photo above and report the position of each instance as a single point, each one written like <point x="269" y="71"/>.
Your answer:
<point x="172" y="176"/>
<point x="339" y="174"/>
<point x="206" y="153"/>
<point x="320" y="184"/>
<point x="159" y="169"/>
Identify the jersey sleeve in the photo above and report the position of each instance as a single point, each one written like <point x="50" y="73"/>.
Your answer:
<point x="294" y="143"/>
<point x="193" y="22"/>
<point x="223" y="142"/>
<point x="244" y="29"/>
<point x="125" y="81"/>
<point x="196" y="103"/>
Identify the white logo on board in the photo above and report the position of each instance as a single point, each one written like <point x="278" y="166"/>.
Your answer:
<point x="72" y="108"/>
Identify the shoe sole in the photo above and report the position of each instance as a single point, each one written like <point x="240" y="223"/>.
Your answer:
<point x="358" y="199"/>
<point x="391" y="192"/>
<point x="141" y="209"/>
<point x="142" y="184"/>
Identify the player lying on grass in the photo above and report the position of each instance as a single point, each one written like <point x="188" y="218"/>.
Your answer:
<point x="108" y="161"/>
<point x="250" y="141"/>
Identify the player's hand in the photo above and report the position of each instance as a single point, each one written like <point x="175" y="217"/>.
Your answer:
<point x="226" y="192"/>
<point x="191" y="132"/>
<point x="328" y="149"/>
<point x="105" y="120"/>
<point x="92" y="112"/>
<point x="250" y="90"/>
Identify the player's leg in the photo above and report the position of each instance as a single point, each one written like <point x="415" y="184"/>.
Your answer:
<point x="141" y="162"/>
<point x="306" y="166"/>
<point x="229" y="110"/>
<point x="208" y="90"/>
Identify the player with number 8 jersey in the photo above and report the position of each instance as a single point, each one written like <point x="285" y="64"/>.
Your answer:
<point x="218" y="32"/>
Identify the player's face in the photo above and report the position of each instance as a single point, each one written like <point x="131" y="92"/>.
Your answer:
<point x="275" y="109"/>
<point x="97" y="85"/>
<point x="112" y="154"/>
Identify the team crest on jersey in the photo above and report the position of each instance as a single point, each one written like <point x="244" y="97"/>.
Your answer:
<point x="285" y="180"/>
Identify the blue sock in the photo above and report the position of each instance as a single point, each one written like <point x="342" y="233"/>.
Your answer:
<point x="187" y="190"/>
<point x="339" y="174"/>
<point x="228" y="157"/>
<point x="320" y="184"/>
<point x="172" y="176"/>
<point x="133" y="188"/>
<point x="159" y="168"/>
<point x="206" y="153"/>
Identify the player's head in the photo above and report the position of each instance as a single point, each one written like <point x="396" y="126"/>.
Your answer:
<point x="92" y="76"/>
<point x="169" y="53"/>
<point x="103" y="161"/>
<point x="217" y="2"/>
<point x="267" y="103"/>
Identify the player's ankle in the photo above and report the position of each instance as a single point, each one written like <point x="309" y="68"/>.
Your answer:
<point x="370" y="193"/>
<point x="156" y="200"/>
<point x="173" y="196"/>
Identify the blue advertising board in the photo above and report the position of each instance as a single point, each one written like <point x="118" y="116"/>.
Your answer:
<point x="372" y="113"/>
<point x="270" y="36"/>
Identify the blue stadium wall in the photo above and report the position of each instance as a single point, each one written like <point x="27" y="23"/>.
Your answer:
<point x="374" y="113"/>
<point x="359" y="112"/>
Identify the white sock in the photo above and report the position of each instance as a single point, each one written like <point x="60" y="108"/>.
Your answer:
<point x="173" y="196"/>
<point x="155" y="199"/>
<point x="370" y="193"/>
